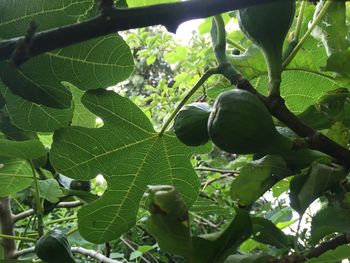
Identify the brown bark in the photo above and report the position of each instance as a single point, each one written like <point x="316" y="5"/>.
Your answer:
<point x="7" y="227"/>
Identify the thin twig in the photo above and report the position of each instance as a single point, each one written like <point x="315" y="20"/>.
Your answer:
<point x="235" y="45"/>
<point x="24" y="252"/>
<point x="211" y="181"/>
<point x="201" y="220"/>
<point x="39" y="206"/>
<point x="11" y="237"/>
<point x="94" y="254"/>
<point x="126" y="242"/>
<point x="216" y="170"/>
<point x="30" y="212"/>
<point x="80" y="250"/>
<point x="59" y="220"/>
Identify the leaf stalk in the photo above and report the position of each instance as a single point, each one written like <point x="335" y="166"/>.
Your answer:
<point x="193" y="90"/>
<point x="307" y="34"/>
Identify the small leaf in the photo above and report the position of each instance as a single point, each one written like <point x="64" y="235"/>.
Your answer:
<point x="338" y="62"/>
<point x="339" y="133"/>
<point x="308" y="186"/>
<point x="329" y="220"/>
<point x="216" y="247"/>
<point x="331" y="104"/>
<point x="178" y="55"/>
<point x="314" y="118"/>
<point x="280" y="188"/>
<point x="50" y="190"/>
<point x="266" y="232"/>
<point x="257" y="177"/>
<point x="150" y="60"/>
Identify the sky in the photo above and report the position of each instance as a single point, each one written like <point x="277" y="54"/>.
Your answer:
<point x="184" y="31"/>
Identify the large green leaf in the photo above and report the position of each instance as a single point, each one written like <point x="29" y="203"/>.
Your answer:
<point x="130" y="154"/>
<point x="98" y="63"/>
<point x="310" y="58"/>
<point x="257" y="177"/>
<point x="12" y="132"/>
<point x="251" y="64"/>
<point x="31" y="116"/>
<point x="17" y="14"/>
<point x="300" y="89"/>
<point x="15" y="175"/>
<point x="29" y="149"/>
<point x="328" y="221"/>
<point x="36" y="83"/>
<point x="311" y="184"/>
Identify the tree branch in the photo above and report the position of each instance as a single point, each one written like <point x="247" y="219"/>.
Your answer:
<point x="80" y="250"/>
<point x="276" y="104"/>
<point x="211" y="181"/>
<point x="30" y="212"/>
<point x="127" y="243"/>
<point x="216" y="170"/>
<point x="328" y="245"/>
<point x="7" y="227"/>
<point x="278" y="108"/>
<point x="93" y="254"/>
<point x="113" y="19"/>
